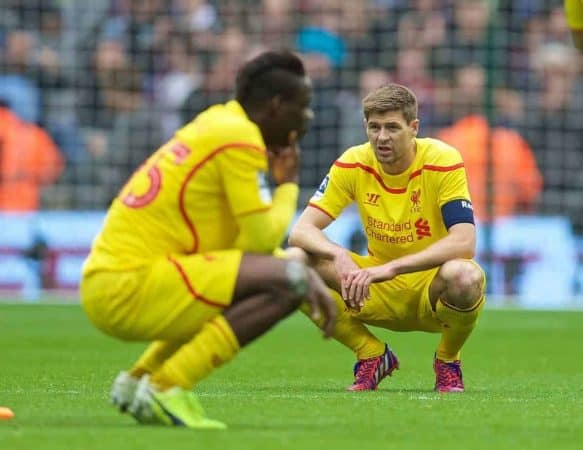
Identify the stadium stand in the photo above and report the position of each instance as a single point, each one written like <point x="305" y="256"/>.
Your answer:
<point x="109" y="80"/>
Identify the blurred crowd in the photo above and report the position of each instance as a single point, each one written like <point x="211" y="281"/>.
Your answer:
<point x="104" y="83"/>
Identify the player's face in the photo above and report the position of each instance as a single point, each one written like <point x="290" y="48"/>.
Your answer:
<point x="291" y="115"/>
<point x="392" y="139"/>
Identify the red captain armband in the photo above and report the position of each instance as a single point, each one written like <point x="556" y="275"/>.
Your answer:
<point x="457" y="211"/>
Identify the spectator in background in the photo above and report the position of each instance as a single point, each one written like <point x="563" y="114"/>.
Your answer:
<point x="233" y="48"/>
<point x="557" y="29"/>
<point x="467" y="39"/>
<point x="352" y="116"/>
<point x="135" y="129"/>
<point x="412" y="71"/>
<point x="361" y="43"/>
<point x="322" y="139"/>
<point x="554" y="128"/>
<point x="58" y="78"/>
<point x="109" y="55"/>
<point x="273" y="23"/>
<point x="423" y="27"/>
<point x="516" y="180"/>
<point x="29" y="160"/>
<point x="322" y="34"/>
<point x="182" y="74"/>
<point x="197" y="15"/>
<point x="140" y="26"/>
<point x="202" y="21"/>
<point x="18" y="85"/>
<point x="126" y="127"/>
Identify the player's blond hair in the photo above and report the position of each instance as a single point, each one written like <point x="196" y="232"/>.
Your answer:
<point x="391" y="97"/>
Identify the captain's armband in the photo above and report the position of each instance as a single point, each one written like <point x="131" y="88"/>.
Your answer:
<point x="457" y="211"/>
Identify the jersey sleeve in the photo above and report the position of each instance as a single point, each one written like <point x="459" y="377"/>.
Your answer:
<point x="336" y="191"/>
<point x="452" y="182"/>
<point x="243" y="173"/>
<point x="453" y="193"/>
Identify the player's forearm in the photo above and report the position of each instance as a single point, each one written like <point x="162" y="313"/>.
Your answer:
<point x="446" y="249"/>
<point x="263" y="233"/>
<point x="284" y="206"/>
<point x="313" y="240"/>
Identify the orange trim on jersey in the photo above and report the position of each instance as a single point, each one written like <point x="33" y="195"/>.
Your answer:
<point x="414" y="174"/>
<point x="254" y="211"/>
<point x="226" y="335"/>
<point x="313" y="205"/>
<point x="189" y="224"/>
<point x="473" y="308"/>
<point x="190" y="288"/>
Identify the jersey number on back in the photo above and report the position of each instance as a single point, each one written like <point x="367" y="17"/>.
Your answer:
<point x="139" y="201"/>
<point x="131" y="200"/>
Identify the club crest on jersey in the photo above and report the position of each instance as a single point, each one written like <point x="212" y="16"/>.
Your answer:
<point x="264" y="191"/>
<point x="416" y="201"/>
<point x="322" y="188"/>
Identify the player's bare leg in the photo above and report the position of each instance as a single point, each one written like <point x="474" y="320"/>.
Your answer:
<point x="375" y="359"/>
<point x="457" y="297"/>
<point x="267" y="290"/>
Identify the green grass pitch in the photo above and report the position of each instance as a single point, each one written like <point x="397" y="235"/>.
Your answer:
<point x="523" y="374"/>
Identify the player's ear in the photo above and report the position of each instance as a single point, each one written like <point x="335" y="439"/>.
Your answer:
<point x="414" y="126"/>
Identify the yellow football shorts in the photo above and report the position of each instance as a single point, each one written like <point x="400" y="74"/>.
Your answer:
<point x="168" y="300"/>
<point x="401" y="304"/>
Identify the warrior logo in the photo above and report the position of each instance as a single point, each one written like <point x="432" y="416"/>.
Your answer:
<point x="372" y="199"/>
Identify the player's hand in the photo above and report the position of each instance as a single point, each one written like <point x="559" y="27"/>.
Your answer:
<point x="345" y="265"/>
<point x="284" y="162"/>
<point x="321" y="304"/>
<point x="357" y="283"/>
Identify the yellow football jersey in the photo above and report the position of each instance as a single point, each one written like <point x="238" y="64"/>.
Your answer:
<point x="574" y="14"/>
<point x="400" y="214"/>
<point x="186" y="197"/>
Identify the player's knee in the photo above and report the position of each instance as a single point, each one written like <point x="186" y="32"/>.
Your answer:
<point x="298" y="284"/>
<point x="463" y="281"/>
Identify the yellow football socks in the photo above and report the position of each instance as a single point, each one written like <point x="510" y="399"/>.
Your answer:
<point x="458" y="325"/>
<point x="153" y="358"/>
<point x="213" y="346"/>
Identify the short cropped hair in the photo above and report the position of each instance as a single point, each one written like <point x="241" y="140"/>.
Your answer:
<point x="267" y="75"/>
<point x="391" y="97"/>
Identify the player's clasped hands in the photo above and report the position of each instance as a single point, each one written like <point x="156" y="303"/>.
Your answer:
<point x="345" y="266"/>
<point x="356" y="284"/>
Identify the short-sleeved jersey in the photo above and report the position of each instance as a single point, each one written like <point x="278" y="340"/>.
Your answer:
<point x="186" y="196"/>
<point x="574" y="14"/>
<point x="401" y="214"/>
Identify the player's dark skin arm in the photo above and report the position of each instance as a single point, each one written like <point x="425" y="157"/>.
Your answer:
<point x="267" y="291"/>
<point x="332" y="261"/>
